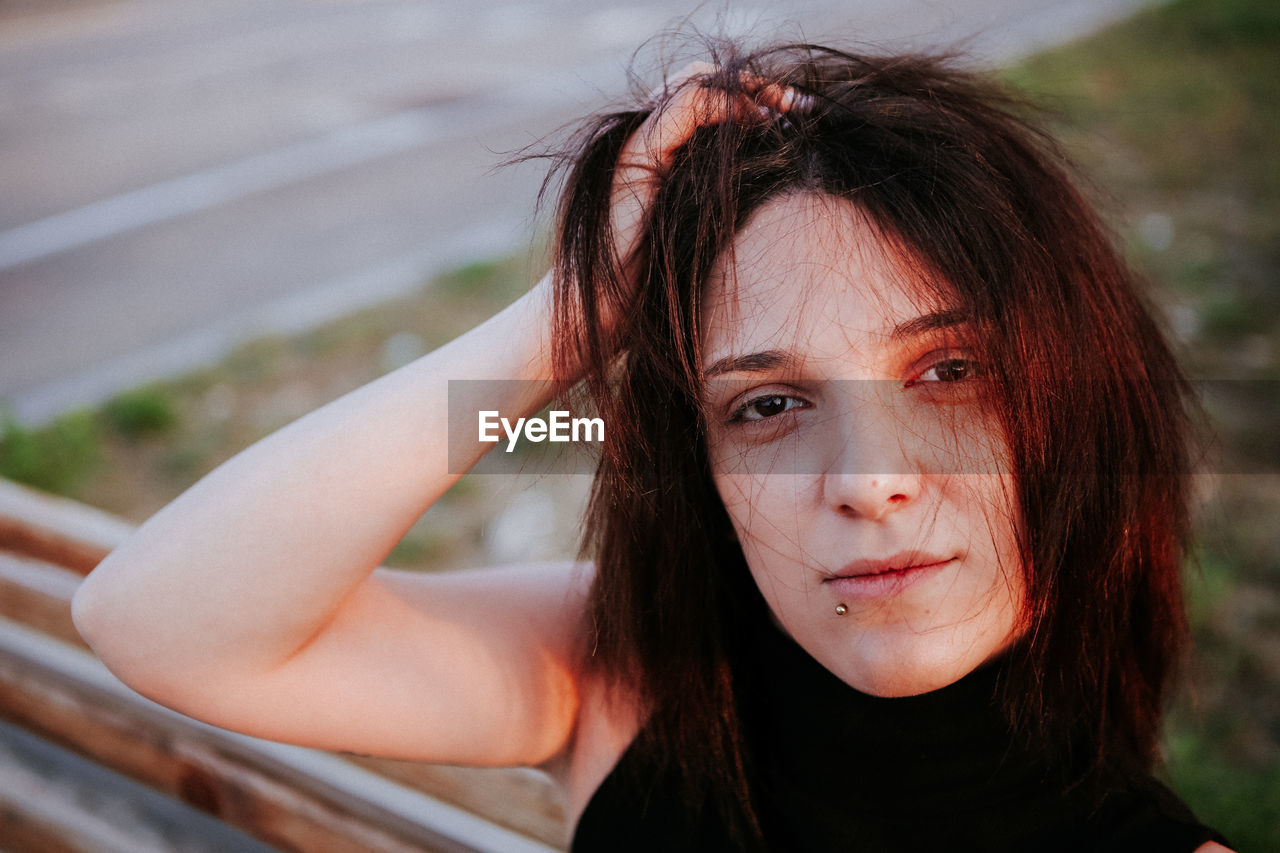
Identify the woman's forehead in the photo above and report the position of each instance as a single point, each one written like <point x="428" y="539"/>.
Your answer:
<point x="803" y="263"/>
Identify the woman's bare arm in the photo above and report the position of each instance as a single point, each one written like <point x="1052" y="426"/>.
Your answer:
<point x="249" y="602"/>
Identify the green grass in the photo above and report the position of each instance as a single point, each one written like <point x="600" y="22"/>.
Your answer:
<point x="1242" y="802"/>
<point x="58" y="457"/>
<point x="136" y="414"/>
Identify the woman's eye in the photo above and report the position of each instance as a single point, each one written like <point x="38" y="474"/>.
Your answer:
<point x="764" y="407"/>
<point x="949" y="370"/>
<point x="952" y="370"/>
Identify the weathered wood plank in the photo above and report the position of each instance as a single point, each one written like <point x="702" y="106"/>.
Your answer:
<point x="518" y="798"/>
<point x="292" y="798"/>
<point x="52" y="800"/>
<point x="39" y="831"/>
<point x="58" y="530"/>
<point x="38" y="595"/>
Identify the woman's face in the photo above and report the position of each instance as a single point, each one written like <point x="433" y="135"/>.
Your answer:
<point x="869" y="486"/>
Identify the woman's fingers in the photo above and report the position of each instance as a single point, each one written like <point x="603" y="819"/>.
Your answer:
<point x="694" y="105"/>
<point x="688" y="104"/>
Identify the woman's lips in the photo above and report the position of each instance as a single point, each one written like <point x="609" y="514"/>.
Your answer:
<point x="871" y="579"/>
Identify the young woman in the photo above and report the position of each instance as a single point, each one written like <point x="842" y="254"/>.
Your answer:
<point x="886" y="531"/>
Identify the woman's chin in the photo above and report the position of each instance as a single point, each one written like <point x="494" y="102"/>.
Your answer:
<point x="905" y="669"/>
<point x="897" y="684"/>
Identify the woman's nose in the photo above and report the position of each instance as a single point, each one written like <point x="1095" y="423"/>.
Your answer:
<point x="870" y="496"/>
<point x="873" y="472"/>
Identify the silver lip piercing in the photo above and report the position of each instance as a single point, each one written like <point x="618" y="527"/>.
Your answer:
<point x="841" y="609"/>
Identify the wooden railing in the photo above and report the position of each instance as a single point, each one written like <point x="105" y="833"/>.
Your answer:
<point x="290" y="798"/>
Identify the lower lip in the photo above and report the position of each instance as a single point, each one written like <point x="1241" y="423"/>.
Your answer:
<point x="884" y="584"/>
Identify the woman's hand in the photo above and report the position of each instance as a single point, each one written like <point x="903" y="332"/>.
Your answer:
<point x="688" y="101"/>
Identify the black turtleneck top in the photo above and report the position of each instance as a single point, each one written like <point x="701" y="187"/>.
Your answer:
<point x="833" y="769"/>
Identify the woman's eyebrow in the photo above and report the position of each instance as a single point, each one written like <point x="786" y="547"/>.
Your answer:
<point x="930" y="322"/>
<point x="751" y="363"/>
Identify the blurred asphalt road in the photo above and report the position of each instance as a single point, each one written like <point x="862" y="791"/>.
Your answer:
<point x="180" y="175"/>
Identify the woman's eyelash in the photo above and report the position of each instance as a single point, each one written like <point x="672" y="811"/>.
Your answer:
<point x="766" y="406"/>
<point x="948" y="370"/>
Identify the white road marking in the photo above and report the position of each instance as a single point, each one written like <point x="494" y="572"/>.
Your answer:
<point x="170" y="199"/>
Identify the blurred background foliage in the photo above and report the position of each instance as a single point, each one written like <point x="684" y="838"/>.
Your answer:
<point x="1174" y="117"/>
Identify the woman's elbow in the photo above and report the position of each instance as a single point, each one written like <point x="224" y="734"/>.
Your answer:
<point x="109" y="620"/>
<point x="91" y="609"/>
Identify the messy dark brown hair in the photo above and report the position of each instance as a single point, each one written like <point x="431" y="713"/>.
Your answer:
<point x="979" y="203"/>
